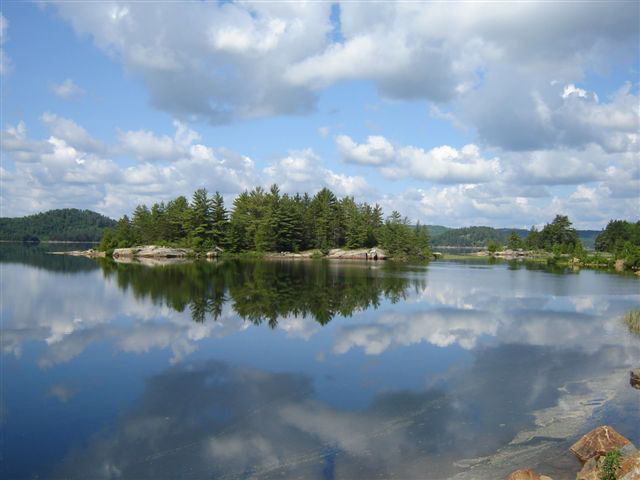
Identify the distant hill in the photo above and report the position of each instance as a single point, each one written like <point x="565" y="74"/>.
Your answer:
<point x="436" y="230"/>
<point x="67" y="224"/>
<point x="481" y="236"/>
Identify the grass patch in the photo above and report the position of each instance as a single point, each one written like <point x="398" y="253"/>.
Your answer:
<point x="632" y="319"/>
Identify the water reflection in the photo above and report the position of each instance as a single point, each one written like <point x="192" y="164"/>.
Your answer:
<point x="265" y="291"/>
<point x="367" y="370"/>
<point x="39" y="256"/>
<point x="215" y="420"/>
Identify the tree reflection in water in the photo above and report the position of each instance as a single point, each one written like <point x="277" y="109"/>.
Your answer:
<point x="261" y="291"/>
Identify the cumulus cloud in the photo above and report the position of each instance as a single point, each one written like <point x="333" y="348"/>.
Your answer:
<point x="71" y="168"/>
<point x="218" y="62"/>
<point x="541" y="115"/>
<point x="303" y="170"/>
<point x="442" y="164"/>
<point x="146" y="146"/>
<point x="251" y="59"/>
<point x="69" y="131"/>
<point x="377" y="151"/>
<point x="67" y="89"/>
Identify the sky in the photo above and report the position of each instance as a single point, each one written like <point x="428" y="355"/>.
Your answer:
<point x="463" y="113"/>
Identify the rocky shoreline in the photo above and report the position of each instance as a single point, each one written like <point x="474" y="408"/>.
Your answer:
<point x="595" y="450"/>
<point x="159" y="253"/>
<point x="129" y="255"/>
<point x="335" y="253"/>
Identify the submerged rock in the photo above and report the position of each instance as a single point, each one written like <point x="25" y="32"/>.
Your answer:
<point x="634" y="378"/>
<point x="597" y="442"/>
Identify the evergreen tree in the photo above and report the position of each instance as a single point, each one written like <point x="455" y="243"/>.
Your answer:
<point x="324" y="210"/>
<point x="199" y="220"/>
<point x="559" y="232"/>
<point x="142" y="225"/>
<point x="219" y="221"/>
<point x="159" y="225"/>
<point x="533" y="239"/>
<point x="177" y="214"/>
<point x="515" y="242"/>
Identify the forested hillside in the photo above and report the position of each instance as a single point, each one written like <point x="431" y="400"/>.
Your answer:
<point x="66" y="224"/>
<point x="482" y="236"/>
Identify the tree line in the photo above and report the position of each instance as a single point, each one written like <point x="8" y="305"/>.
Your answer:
<point x="265" y="220"/>
<point x="64" y="224"/>
<point x="620" y="238"/>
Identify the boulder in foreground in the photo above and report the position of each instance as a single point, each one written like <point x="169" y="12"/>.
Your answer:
<point x="630" y="467"/>
<point x="597" y="442"/>
<point x="526" y="474"/>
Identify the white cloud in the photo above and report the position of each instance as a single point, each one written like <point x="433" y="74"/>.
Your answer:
<point x="442" y="164"/>
<point x="250" y="59"/>
<point x="303" y="171"/>
<point x="71" y="169"/>
<point x="218" y="62"/>
<point x="70" y="132"/>
<point x="67" y="89"/>
<point x="146" y="146"/>
<point x="377" y="151"/>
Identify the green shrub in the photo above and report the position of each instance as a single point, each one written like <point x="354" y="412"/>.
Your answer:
<point x="610" y="465"/>
<point x="494" y="247"/>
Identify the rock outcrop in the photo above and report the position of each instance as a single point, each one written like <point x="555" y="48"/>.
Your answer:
<point x="598" y="442"/>
<point x="152" y="251"/>
<point x="357" y="254"/>
<point x="526" y="474"/>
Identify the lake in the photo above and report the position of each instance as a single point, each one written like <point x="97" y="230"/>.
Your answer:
<point x="308" y="369"/>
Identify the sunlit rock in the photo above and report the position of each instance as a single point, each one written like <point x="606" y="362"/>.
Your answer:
<point x="630" y="466"/>
<point x="526" y="474"/>
<point x="152" y="251"/>
<point x="598" y="442"/>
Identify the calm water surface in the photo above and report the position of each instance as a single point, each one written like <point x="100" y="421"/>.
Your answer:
<point x="265" y="369"/>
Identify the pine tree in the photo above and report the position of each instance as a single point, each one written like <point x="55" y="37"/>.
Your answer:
<point x="177" y="213"/>
<point x="219" y="221"/>
<point x="200" y="220"/>
<point x="515" y="242"/>
<point x="142" y="226"/>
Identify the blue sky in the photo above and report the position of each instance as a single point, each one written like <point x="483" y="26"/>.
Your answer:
<point x="456" y="114"/>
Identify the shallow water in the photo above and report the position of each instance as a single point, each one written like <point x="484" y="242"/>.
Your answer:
<point x="308" y="369"/>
